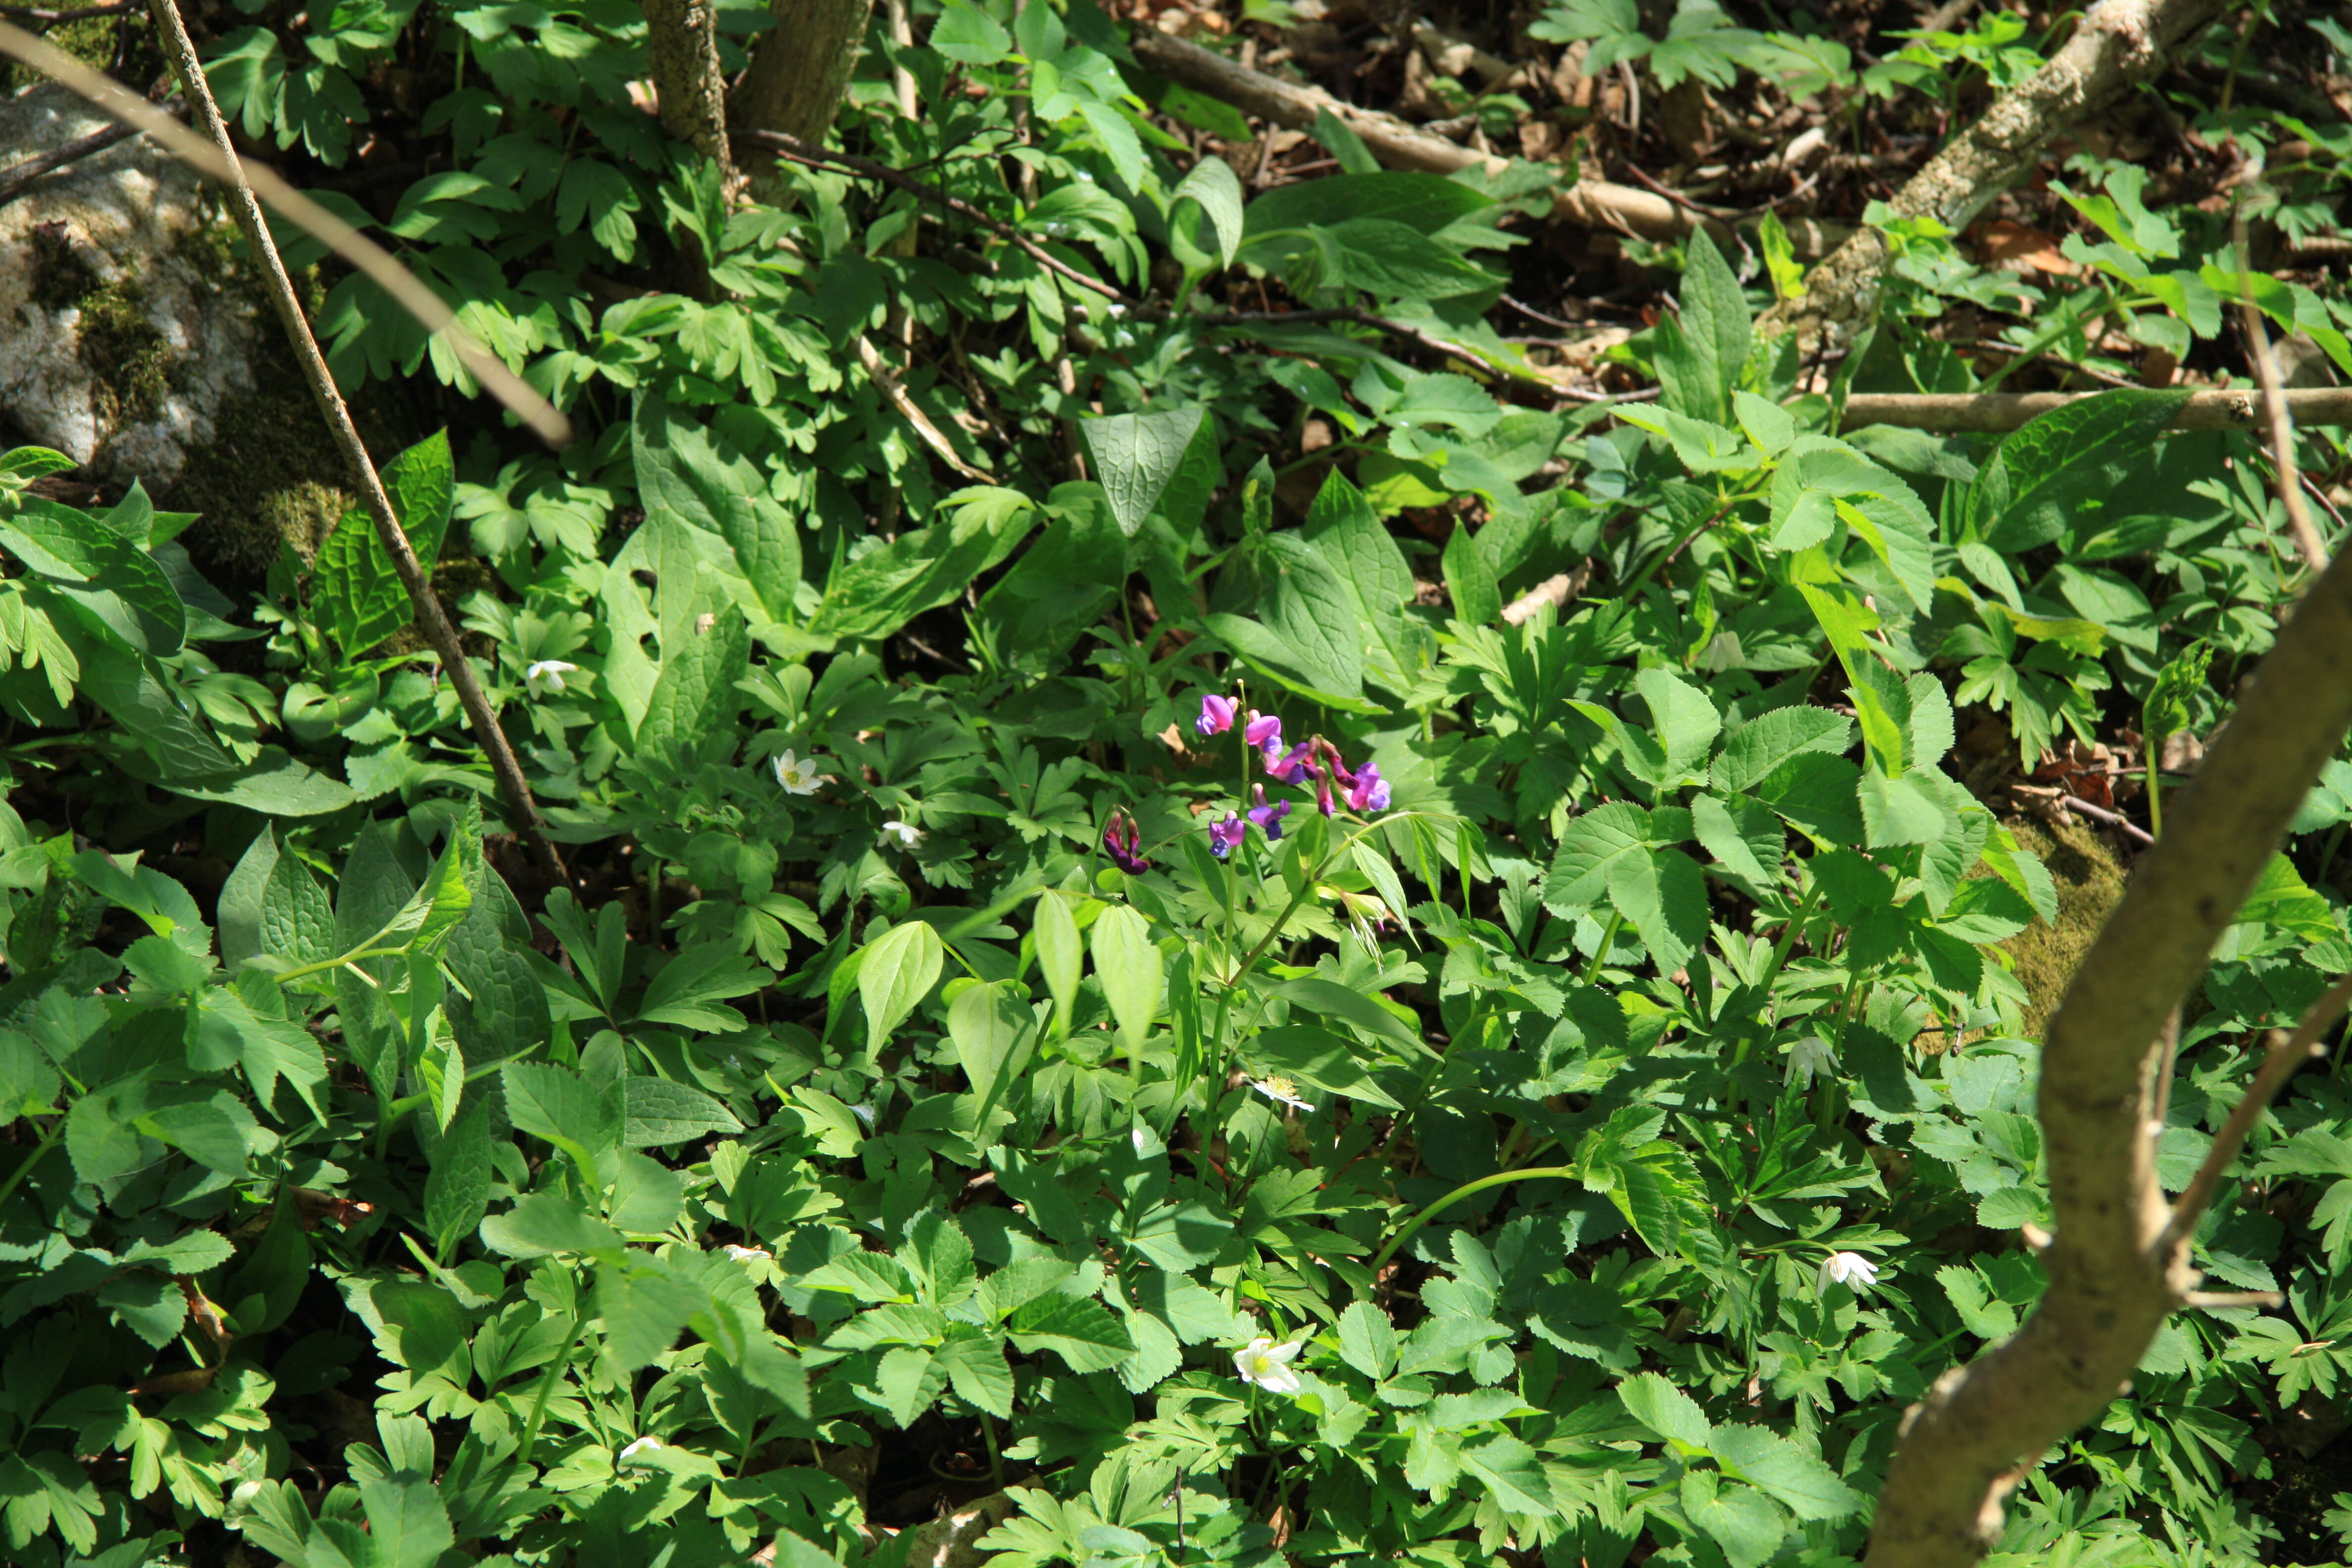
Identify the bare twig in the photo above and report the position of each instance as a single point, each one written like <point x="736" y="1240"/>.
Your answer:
<point x="2233" y="1299"/>
<point x="801" y="152"/>
<point x="1994" y="411"/>
<point x="2307" y="540"/>
<point x="910" y="411"/>
<point x="2285" y="1053"/>
<point x="87" y="12"/>
<point x="431" y="618"/>
<point x="216" y="160"/>
<point x="1428" y="343"/>
<point x="17" y="177"/>
<point x="2115" y="819"/>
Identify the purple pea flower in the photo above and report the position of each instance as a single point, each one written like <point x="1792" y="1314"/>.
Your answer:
<point x="1216" y="715"/>
<point x="1291" y="766"/>
<point x="1368" y="791"/>
<point x="1268" y="817"/>
<point x="1223" y="836"/>
<point x="1263" y="730"/>
<point x="1126" y="853"/>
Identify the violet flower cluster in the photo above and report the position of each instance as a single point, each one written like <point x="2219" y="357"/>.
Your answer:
<point x="1314" y="760"/>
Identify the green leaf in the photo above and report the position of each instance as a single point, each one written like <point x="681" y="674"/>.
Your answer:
<point x="1135" y="456"/>
<point x="681" y="469"/>
<point x="1083" y="1333"/>
<point x="354" y="580"/>
<point x="985" y="1023"/>
<point x="1368" y="1341"/>
<point x="658" y="1112"/>
<point x="1715" y="320"/>
<point x="1682" y="717"/>
<point x="1317" y="1058"/>
<point x="1421" y="202"/>
<point x="1898" y="811"/>
<point x="979" y="1374"/>
<point x="1214" y="187"/>
<point x="458" y="1191"/>
<point x="1742" y="1521"/>
<point x="113" y="577"/>
<point x="2058" y="473"/>
<point x="1666" y="1410"/>
<point x="884" y="589"/>
<point x="687" y="990"/>
<point x="1328" y="999"/>
<point x="1310" y="609"/>
<point x="1470" y="581"/>
<point x="1758" y="747"/>
<point x="554" y="1103"/>
<point x="1133" y="973"/>
<point x="408" y="1527"/>
<point x="1800" y="1482"/>
<point x="644" y="1308"/>
<point x="696" y="695"/>
<point x="1393" y="262"/>
<point x="1364" y="556"/>
<point x="238" y="914"/>
<point x="969" y="35"/>
<point x="1060" y="956"/>
<point x="1663" y="894"/>
<point x="894" y="972"/>
<point x="548" y="1223"/>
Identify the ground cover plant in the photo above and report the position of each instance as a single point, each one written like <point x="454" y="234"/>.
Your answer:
<point x="1214" y="909"/>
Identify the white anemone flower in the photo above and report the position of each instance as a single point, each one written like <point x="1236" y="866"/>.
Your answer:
<point x="906" y="834"/>
<point x="749" y="1254"/>
<point x="1282" y="1091"/>
<point x="545" y="679"/>
<point x="796" y="774"/>
<point x="1851" y="1270"/>
<point x="1267" y="1364"/>
<point x="642" y="1446"/>
<point x="1809" y="1056"/>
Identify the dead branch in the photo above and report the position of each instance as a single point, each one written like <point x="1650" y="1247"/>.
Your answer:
<point x="2116" y="45"/>
<point x="1594" y="204"/>
<point x="2118" y="1264"/>
<point x="16" y="178"/>
<point x="2307" y="540"/>
<point x="1972" y="412"/>
<point x="431" y="618"/>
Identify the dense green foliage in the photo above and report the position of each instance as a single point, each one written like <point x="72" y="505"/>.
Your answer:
<point x="1614" y="1090"/>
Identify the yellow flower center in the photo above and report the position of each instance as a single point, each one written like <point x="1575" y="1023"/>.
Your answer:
<point x="1281" y="1088"/>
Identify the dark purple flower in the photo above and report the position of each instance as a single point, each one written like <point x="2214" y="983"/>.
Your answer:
<point x="1126" y="853"/>
<point x="1368" y="791"/>
<point x="1216" y="715"/>
<point x="1264" y="729"/>
<point x="1268" y="817"/>
<point x="1291" y="766"/>
<point x="1223" y="836"/>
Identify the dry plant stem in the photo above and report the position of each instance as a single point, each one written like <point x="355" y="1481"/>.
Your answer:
<point x="2285" y="1054"/>
<point x="431" y="619"/>
<point x="2116" y="819"/>
<point x="17" y="177"/>
<point x="2307" y="542"/>
<point x="1594" y="204"/>
<point x="214" y="158"/>
<point x="2114" y="1277"/>
<point x="802" y="152"/>
<point x="1974" y="412"/>
<point x="2117" y="44"/>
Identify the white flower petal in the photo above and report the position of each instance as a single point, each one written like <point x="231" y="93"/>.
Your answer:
<point x="641" y="1446"/>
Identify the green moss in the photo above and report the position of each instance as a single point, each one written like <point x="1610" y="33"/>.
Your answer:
<point x="97" y="42"/>
<point x="130" y="359"/>
<point x="2089" y="881"/>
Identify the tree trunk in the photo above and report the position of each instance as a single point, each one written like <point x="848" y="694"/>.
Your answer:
<point x="682" y="51"/>
<point x="799" y="70"/>
<point x="2116" y="45"/>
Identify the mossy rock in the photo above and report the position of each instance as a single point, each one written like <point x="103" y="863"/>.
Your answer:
<point x="2090" y="883"/>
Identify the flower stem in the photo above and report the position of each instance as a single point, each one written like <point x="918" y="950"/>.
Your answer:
<point x="1467" y="1189"/>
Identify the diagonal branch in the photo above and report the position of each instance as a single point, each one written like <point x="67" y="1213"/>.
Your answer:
<point x="431" y="617"/>
<point x="2115" y="1265"/>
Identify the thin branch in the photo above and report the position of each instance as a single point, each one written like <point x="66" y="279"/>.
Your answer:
<point x="430" y="616"/>
<point x="1429" y="342"/>
<point x="219" y="161"/>
<point x="800" y="151"/>
<point x="2115" y="819"/>
<point x="87" y="12"/>
<point x="17" y="178"/>
<point x="2307" y="538"/>
<point x="2285" y="1054"/>
<point x="1971" y="412"/>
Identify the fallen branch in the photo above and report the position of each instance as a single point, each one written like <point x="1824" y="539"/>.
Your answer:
<point x="2118" y="1264"/>
<point x="431" y="618"/>
<point x="2115" y="819"/>
<point x="16" y="178"/>
<point x="1970" y="412"/>
<point x="2116" y="45"/>
<point x="1594" y="204"/>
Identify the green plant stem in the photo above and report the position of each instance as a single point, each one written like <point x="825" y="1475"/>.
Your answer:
<point x="1467" y="1189"/>
<point x="547" y="1383"/>
<point x="48" y="1142"/>
<point x="357" y="955"/>
<point x="995" y="1459"/>
<point x="1607" y="941"/>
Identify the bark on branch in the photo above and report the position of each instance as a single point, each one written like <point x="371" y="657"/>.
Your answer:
<point x="431" y="618"/>
<point x="2116" y="45"/>
<point x="682" y="52"/>
<point x="1594" y="204"/>
<point x="1973" y="412"/>
<point x="2118" y="1262"/>
<point x="799" y="70"/>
